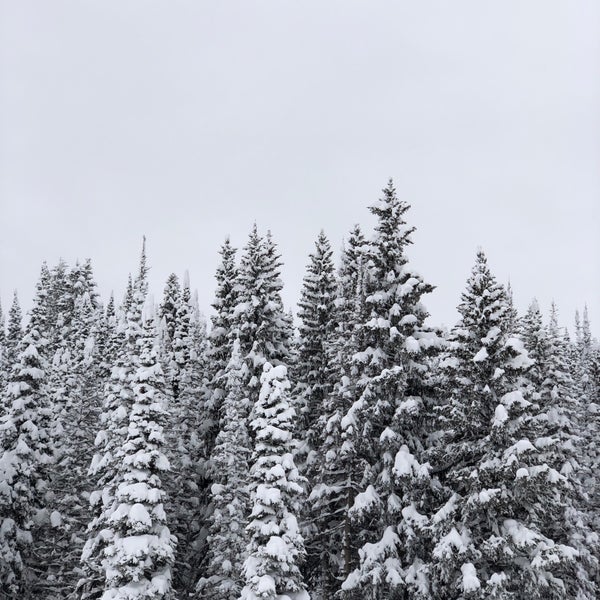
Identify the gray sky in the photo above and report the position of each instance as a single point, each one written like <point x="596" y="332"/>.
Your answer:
<point x="187" y="121"/>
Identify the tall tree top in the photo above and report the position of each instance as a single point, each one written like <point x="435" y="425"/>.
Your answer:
<point x="391" y="232"/>
<point x="484" y="303"/>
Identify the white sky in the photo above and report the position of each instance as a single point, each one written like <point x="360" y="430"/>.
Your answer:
<point x="187" y="121"/>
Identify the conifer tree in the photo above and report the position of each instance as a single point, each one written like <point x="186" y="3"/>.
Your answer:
<point x="3" y="371"/>
<point x="385" y="426"/>
<point x="139" y="553"/>
<point x="26" y="453"/>
<point x="229" y="468"/>
<point x="73" y="322"/>
<point x="220" y="339"/>
<point x="317" y="326"/>
<point x="168" y="314"/>
<point x="117" y="405"/>
<point x="189" y="480"/>
<point x="338" y="479"/>
<point x="276" y="548"/>
<point x="260" y="319"/>
<point x="14" y="334"/>
<point x="315" y="375"/>
<point x="557" y="422"/>
<point x="495" y="535"/>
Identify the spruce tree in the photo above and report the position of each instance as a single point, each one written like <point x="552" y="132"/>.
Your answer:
<point x="259" y="316"/>
<point x="139" y="553"/>
<point x="494" y="536"/>
<point x="276" y="548"/>
<point x="315" y="379"/>
<point x="229" y="466"/>
<point x="26" y="449"/>
<point x="385" y="426"/>
<point x="220" y="339"/>
<point x="73" y="322"/>
<point x="339" y="474"/>
<point x="168" y="316"/>
<point x="189" y="480"/>
<point x="315" y="375"/>
<point x="3" y="370"/>
<point x="114" y="424"/>
<point x="14" y="334"/>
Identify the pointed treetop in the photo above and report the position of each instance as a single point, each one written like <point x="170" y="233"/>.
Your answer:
<point x="586" y="331"/>
<point x="141" y="280"/>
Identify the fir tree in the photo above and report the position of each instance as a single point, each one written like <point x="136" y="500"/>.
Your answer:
<point x="385" y="426"/>
<point x="14" y="334"/>
<point x="259" y="316"/>
<point x="229" y="467"/>
<point x="140" y="549"/>
<point x="317" y="326"/>
<point x="3" y="371"/>
<point x="276" y="548"/>
<point x="189" y="480"/>
<point x="220" y="339"/>
<point x="117" y="405"/>
<point x="168" y="315"/>
<point x="493" y="537"/>
<point x="337" y="480"/>
<point x="316" y="376"/>
<point x="26" y="453"/>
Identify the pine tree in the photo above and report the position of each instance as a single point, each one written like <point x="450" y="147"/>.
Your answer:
<point x="26" y="452"/>
<point x="494" y="536"/>
<point x="229" y="468"/>
<point x="276" y="548"/>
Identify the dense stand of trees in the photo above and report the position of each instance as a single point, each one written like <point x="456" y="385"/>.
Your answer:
<point x="362" y="454"/>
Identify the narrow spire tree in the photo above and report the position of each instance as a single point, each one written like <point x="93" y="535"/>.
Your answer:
<point x="227" y="540"/>
<point x="276" y="548"/>
<point x="26" y="449"/>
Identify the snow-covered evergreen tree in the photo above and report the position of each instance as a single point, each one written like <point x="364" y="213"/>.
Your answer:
<point x="229" y="468"/>
<point x="315" y="378"/>
<point x="259" y="317"/>
<point x="340" y="472"/>
<point x="188" y="456"/>
<point x="26" y="449"/>
<point x="139" y="552"/>
<point x="168" y="314"/>
<point x="114" y="421"/>
<point x="276" y="548"/>
<point x="220" y="339"/>
<point x="14" y="334"/>
<point x="385" y="426"/>
<point x="315" y="375"/>
<point x="495" y="536"/>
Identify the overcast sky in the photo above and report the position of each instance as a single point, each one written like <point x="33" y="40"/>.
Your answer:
<point x="188" y="121"/>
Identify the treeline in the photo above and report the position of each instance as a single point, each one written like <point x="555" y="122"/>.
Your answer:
<point x="364" y="454"/>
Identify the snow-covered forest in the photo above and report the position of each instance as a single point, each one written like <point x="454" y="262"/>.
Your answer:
<point x="354" y="452"/>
